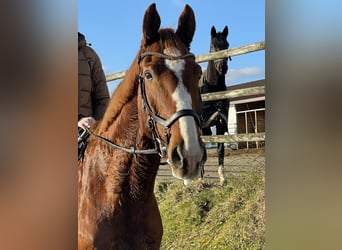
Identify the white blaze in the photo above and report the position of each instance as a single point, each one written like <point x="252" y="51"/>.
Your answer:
<point x="183" y="100"/>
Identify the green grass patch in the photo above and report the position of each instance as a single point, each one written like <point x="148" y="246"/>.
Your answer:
<point x="205" y="215"/>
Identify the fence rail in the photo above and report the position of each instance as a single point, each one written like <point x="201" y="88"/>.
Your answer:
<point x="252" y="137"/>
<point x="234" y="138"/>
<point x="231" y="52"/>
<point x="233" y="93"/>
<point x="207" y="57"/>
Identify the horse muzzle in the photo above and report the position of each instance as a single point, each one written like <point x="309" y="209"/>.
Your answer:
<point x="186" y="163"/>
<point x="222" y="66"/>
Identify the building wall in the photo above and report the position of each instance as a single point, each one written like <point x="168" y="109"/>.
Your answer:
<point x="232" y="122"/>
<point x="237" y="117"/>
<point x="250" y="119"/>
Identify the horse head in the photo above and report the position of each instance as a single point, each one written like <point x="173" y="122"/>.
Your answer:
<point x="168" y="77"/>
<point x="219" y="42"/>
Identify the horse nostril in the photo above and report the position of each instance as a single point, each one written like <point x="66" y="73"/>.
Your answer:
<point x="176" y="157"/>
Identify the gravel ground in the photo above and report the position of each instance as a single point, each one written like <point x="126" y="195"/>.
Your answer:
<point x="236" y="162"/>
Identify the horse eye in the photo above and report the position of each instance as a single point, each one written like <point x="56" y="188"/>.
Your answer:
<point x="148" y="75"/>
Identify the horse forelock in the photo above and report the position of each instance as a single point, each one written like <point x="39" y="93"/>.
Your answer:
<point x="170" y="39"/>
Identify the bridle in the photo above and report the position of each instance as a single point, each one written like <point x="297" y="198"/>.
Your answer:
<point x="160" y="147"/>
<point x="154" y="118"/>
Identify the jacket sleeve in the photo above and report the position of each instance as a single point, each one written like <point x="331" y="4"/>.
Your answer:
<point x="100" y="93"/>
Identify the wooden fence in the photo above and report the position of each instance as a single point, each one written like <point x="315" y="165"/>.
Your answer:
<point x="253" y="137"/>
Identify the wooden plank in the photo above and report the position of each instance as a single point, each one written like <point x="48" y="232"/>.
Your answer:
<point x="231" y="52"/>
<point x="115" y="76"/>
<point x="207" y="57"/>
<point x="234" y="138"/>
<point x="233" y="93"/>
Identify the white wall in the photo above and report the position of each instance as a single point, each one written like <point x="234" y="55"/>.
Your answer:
<point x="232" y="123"/>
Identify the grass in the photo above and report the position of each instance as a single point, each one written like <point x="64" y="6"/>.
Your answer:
<point x="205" y="215"/>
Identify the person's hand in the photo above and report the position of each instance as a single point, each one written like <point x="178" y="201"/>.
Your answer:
<point x="86" y="122"/>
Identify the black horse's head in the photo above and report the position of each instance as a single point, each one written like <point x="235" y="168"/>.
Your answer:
<point x="219" y="42"/>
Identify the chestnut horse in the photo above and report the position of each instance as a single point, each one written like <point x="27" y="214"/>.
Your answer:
<point x="153" y="113"/>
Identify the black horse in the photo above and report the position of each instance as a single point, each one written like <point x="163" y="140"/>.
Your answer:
<point x="215" y="113"/>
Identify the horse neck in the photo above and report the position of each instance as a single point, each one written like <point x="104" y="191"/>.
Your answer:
<point x="212" y="76"/>
<point x="212" y="79"/>
<point x="124" y="93"/>
<point x="131" y="176"/>
<point x="141" y="171"/>
<point x="121" y="125"/>
<point x="212" y="73"/>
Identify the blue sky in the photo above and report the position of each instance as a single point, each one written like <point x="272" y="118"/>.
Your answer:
<point x="114" y="29"/>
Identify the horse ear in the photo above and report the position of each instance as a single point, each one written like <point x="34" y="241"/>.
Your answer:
<point x="186" y="25"/>
<point x="151" y="24"/>
<point x="225" y="31"/>
<point x="213" y="31"/>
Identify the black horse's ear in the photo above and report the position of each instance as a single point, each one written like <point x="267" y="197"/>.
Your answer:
<point x="186" y="25"/>
<point x="151" y="24"/>
<point x="213" y="31"/>
<point x="225" y="31"/>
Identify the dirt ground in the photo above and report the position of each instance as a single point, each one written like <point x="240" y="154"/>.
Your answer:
<point x="236" y="162"/>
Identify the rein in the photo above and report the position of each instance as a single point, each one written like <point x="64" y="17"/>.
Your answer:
<point x="160" y="147"/>
<point x="131" y="150"/>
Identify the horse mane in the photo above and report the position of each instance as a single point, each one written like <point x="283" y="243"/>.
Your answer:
<point x="124" y="92"/>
